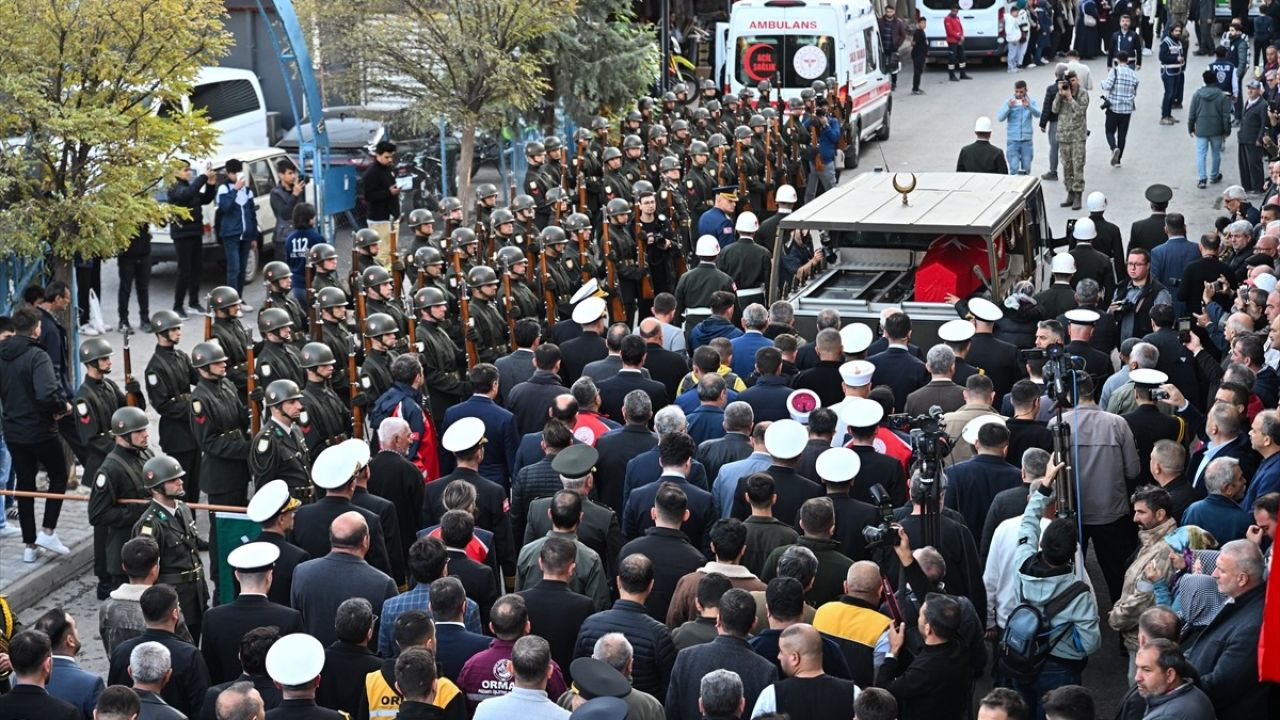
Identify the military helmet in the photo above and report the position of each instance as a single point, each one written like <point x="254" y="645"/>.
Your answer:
<point x="127" y="420"/>
<point x="742" y="132"/>
<point x="283" y="390"/>
<point x="429" y="297"/>
<point x="481" y="275"/>
<point x="575" y="222"/>
<point x="730" y="99"/>
<point x="635" y="116"/>
<point x="747" y="93"/>
<point x="657" y="131"/>
<point x="523" y="202"/>
<point x="95" y="348"/>
<point x="485" y="191"/>
<point x="708" y="84"/>
<point x="423" y="216"/>
<point x="273" y="319"/>
<point x="764" y="87"/>
<point x="330" y="297"/>
<point x="450" y="205"/>
<point x="501" y="216"/>
<point x="552" y="235"/>
<point x="716" y="140"/>
<point x="712" y="106"/>
<point x="668" y="163"/>
<point x="366" y="237"/>
<point x="819" y="86"/>
<point x="552" y="142"/>
<point x="698" y="147"/>
<point x="164" y="321"/>
<point x="679" y="124"/>
<point x="756" y="120"/>
<point x="509" y="256"/>
<point x="632" y="142"/>
<point x="668" y="97"/>
<point x="610" y="153"/>
<point x="644" y="103"/>
<point x="599" y="123"/>
<point x="640" y="188"/>
<point x="379" y="324"/>
<point x="374" y="275"/>
<point x="463" y="236"/>
<point x="316" y="354"/>
<point x="582" y="134"/>
<point x="769" y="113"/>
<point x="807" y="94"/>
<point x="160" y="470"/>
<point x="427" y="255"/>
<point x="555" y="195"/>
<point x="795" y="103"/>
<point x="701" y="114"/>
<point x="534" y="148"/>
<point x="682" y="88"/>
<point x="324" y="251"/>
<point x="223" y="297"/>
<point x="206" y="353"/>
<point x="617" y="206"/>
<point x="276" y="270"/>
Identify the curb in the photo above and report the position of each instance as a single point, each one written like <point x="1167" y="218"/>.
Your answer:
<point x="51" y="575"/>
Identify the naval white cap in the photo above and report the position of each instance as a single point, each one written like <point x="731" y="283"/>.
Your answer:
<point x="956" y="331"/>
<point x="857" y="373"/>
<point x="861" y="413"/>
<point x="463" y="435"/>
<point x="802" y="402"/>
<point x="855" y="337"/>
<point x="270" y="500"/>
<point x="253" y="556"/>
<point x="1082" y="316"/>
<point x="333" y="468"/>
<point x="588" y="311"/>
<point x="586" y="291"/>
<point x="295" y="659"/>
<point x="785" y="439"/>
<point x="358" y="451"/>
<point x="1266" y="281"/>
<point x="1148" y="378"/>
<point x="970" y="432"/>
<point x="838" y="465"/>
<point x="985" y="310"/>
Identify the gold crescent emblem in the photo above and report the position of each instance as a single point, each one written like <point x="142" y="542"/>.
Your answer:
<point x="904" y="189"/>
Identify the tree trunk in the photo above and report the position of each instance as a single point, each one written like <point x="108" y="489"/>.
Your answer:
<point x="466" y="156"/>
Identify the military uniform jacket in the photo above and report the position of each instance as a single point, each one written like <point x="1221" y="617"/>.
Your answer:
<point x="440" y="369"/>
<point x="1072" y="122"/>
<point x="391" y="308"/>
<point x="364" y="260"/>
<point x="328" y="418"/>
<point x="281" y="453"/>
<point x="234" y="340"/>
<point x="699" y="189"/>
<point x="169" y="378"/>
<point x="615" y="184"/>
<point x="175" y="532"/>
<point x="220" y="421"/>
<point x="287" y="302"/>
<point x="625" y="259"/>
<point x="320" y="281"/>
<point x="119" y="477"/>
<point x="302" y="709"/>
<point x="278" y="361"/>
<point x="96" y="400"/>
<point x="525" y="301"/>
<point x="563" y="280"/>
<point x="536" y="184"/>
<point x="377" y="367"/>
<point x="491" y="327"/>
<point x="679" y="209"/>
<point x="748" y="264"/>
<point x="340" y="343"/>
<point x="694" y="289"/>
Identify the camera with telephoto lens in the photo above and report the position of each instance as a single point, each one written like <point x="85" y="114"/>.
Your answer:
<point x="885" y="533"/>
<point x="1058" y="368"/>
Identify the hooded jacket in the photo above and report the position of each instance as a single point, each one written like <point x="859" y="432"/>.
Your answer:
<point x="1137" y="594"/>
<point x="29" y="390"/>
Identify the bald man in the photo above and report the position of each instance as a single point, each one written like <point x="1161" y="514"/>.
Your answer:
<point x="241" y="701"/>
<point x="320" y="585"/>
<point x="665" y="366"/>
<point x="856" y="617"/>
<point x="807" y="692"/>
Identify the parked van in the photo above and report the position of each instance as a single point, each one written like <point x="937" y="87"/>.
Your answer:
<point x="233" y="102"/>
<point x="983" y="22"/>
<point x="791" y="43"/>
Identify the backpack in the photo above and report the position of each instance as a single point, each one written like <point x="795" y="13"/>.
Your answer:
<point x="1028" y="634"/>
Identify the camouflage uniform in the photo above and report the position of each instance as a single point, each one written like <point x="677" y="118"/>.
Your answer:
<point x="1072" y="134"/>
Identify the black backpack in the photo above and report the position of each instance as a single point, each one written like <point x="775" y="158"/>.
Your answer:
<point x="1028" y="636"/>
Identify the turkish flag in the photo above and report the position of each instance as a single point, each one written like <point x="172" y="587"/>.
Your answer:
<point x="1269" y="640"/>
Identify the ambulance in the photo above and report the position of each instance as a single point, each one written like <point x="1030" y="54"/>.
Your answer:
<point x="792" y="43"/>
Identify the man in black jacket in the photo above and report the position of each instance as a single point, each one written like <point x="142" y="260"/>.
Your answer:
<point x="934" y="684"/>
<point x="981" y="156"/>
<point x="348" y="660"/>
<point x="134" y="266"/>
<point x="1149" y="231"/>
<point x="186" y="688"/>
<point x="555" y="611"/>
<point x="1253" y="122"/>
<point x="31" y="655"/>
<point x="253" y="564"/>
<point x="382" y="197"/>
<point x="193" y="192"/>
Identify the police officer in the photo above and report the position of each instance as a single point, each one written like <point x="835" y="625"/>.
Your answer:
<point x="295" y="661"/>
<point x="488" y="327"/>
<point x="272" y="507"/>
<point x="323" y="259"/>
<point x="623" y="255"/>
<point x="695" y="288"/>
<point x="381" y="331"/>
<point x="747" y="263"/>
<point x="562" y="277"/>
<point x="379" y="296"/>
<point x="438" y="352"/>
<point x="169" y="379"/>
<point x="366" y="243"/>
<point x="279" y="449"/>
<point x="279" y="281"/>
<point x="331" y="304"/>
<point x="423" y="224"/>
<point x="169" y="522"/>
<point x="221" y="426"/>
<point x="524" y="301"/>
<point x="327" y="419"/>
<point x="277" y="358"/>
<point x="118" y="477"/>
<point x="227" y="307"/>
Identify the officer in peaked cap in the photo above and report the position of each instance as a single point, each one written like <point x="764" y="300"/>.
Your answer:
<point x="169" y="522"/>
<point x="273" y="508"/>
<point x="295" y="662"/>
<point x="1149" y="231"/>
<point x="334" y="472"/>
<point x="602" y="708"/>
<point x="862" y="416"/>
<point x="970" y="432"/>
<point x="998" y="359"/>
<point x="118" y="477"/>
<point x="575" y="462"/>
<point x="589" y="315"/>
<point x="800" y="403"/>
<point x="465" y="439"/>
<point x="718" y="221"/>
<point x="855" y="381"/>
<point x="280" y="449"/>
<point x="599" y="528"/>
<point x="1150" y="424"/>
<point x="958" y="335"/>
<point x="836" y="469"/>
<point x="785" y="441"/>
<point x="594" y="678"/>
<point x="855" y="338"/>
<point x="1080" y="325"/>
<point x="253" y="564"/>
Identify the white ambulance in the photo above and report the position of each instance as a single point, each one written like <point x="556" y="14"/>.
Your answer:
<point x="791" y="43"/>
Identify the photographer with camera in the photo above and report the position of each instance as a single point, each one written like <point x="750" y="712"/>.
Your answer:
<point x="1135" y="297"/>
<point x="285" y="196"/>
<point x="1150" y="425"/>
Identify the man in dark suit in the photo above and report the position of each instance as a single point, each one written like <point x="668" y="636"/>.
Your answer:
<point x="785" y="441"/>
<point x="456" y="530"/>
<point x="555" y="611"/>
<point x="824" y="377"/>
<point x="768" y="397"/>
<point x="1149" y="231"/>
<point x="69" y="681"/>
<point x="466" y="440"/>
<point x="32" y="658"/>
<point x="530" y="400"/>
<point x="1108" y="239"/>
<point x="1080" y="324"/>
<point x="618" y="447"/>
<point x="665" y="366"/>
<point x="348" y="659"/>
<point x="1224" y="433"/>
<point x="1253" y="122"/>
<point x="273" y="508"/>
<point x="186" y="688"/>
<point x="980" y="156"/>
<point x="728" y="651"/>
<point x="998" y="359"/>
<point x="251" y="609"/>
<point x="455" y="644"/>
<point x="609" y="365"/>
<point x="517" y="366"/>
<point x="613" y="390"/>
<point x="591" y="315"/>
<point x="388" y="519"/>
<point x="499" y="426"/>
<point x="675" y="451"/>
<point x="669" y="549"/>
<point x="335" y="472"/>
<point x="395" y="479"/>
<point x="896" y="366"/>
<point x="253" y="657"/>
<point x="739" y="418"/>
<point x="645" y="468"/>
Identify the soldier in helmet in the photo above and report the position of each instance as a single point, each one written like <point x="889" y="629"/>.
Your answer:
<point x="660" y="244"/>
<point x="559" y="204"/>
<point x="97" y="398"/>
<point x="331" y="309"/>
<point x="119" y="477"/>
<point x="524" y="208"/>
<point x="536" y="181"/>
<point x="614" y="184"/>
<point x="699" y="128"/>
<point x="382" y="332"/>
<point x="380" y="296"/>
<point x="488" y="325"/>
<point x="503" y="230"/>
<point x="525" y="300"/>
<point x="671" y="108"/>
<point x="633" y="163"/>
<point x="169" y="377"/>
<point x="707" y="91"/>
<point x="563" y="276"/>
<point x="695" y="288"/>
<point x="279" y="281"/>
<point x="328" y="417"/>
<point x="657" y="151"/>
<point x="632" y="124"/>
<point x="221" y="425"/>
<point x="673" y="202"/>
<point x="678" y="143"/>
<point x="699" y="182"/>
<point x="731" y="114"/>
<point x="452" y="215"/>
<point x="278" y="357"/>
<point x="622" y="248"/>
<point x="279" y="449"/>
<point x="439" y="353"/>
<point x="464" y="245"/>
<point x="367" y="242"/>
<point x="752" y="164"/>
<point x="555" y="170"/>
<point x="169" y="522"/>
<point x="486" y="201"/>
<point x="227" y="307"/>
<point x="323" y="259"/>
<point x="433" y="275"/>
<point x="423" y="224"/>
<point x="644" y="106"/>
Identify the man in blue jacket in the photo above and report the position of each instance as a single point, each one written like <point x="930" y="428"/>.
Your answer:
<point x="237" y="221"/>
<point x="1018" y="111"/>
<point x="822" y="166"/>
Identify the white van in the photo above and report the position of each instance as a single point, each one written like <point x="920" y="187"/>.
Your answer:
<point x="983" y="22"/>
<point x="791" y="43"/>
<point x="233" y="102"/>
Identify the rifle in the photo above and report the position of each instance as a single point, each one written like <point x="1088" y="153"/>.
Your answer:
<point x="254" y="417"/>
<point x="506" y="299"/>
<point x="646" y="283"/>
<point x="582" y="180"/>
<point x="682" y="265"/>
<point x="411" y="314"/>
<point x="582" y="258"/>
<point x="464" y="306"/>
<point x="353" y="390"/>
<point x="769" y="203"/>
<point x="360" y="318"/>
<point x="818" y="165"/>
<point x="311" y="299"/>
<point x="528" y="241"/>
<point x="130" y="398"/>
<point x="355" y="268"/>
<point x="482" y="234"/>
<point x="742" y="176"/>
<point x="611" y="274"/>
<point x="397" y="276"/>
<point x="801" y="180"/>
<point x="317" y="322"/>
<point x="548" y="296"/>
<point x="208" y="318"/>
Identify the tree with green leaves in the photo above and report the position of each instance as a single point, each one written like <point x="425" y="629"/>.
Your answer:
<point x="93" y="94"/>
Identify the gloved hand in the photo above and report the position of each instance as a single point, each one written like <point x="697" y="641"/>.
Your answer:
<point x="133" y="388"/>
<point x="256" y="395"/>
<point x="397" y="266"/>
<point x="472" y="335"/>
<point x="360" y="400"/>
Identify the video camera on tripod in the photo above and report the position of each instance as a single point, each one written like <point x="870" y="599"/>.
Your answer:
<point x="885" y="533"/>
<point x="1062" y="379"/>
<point x="1057" y="371"/>
<point x="930" y="445"/>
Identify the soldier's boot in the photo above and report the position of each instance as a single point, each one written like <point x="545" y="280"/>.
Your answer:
<point x="1070" y="201"/>
<point x="1075" y="204"/>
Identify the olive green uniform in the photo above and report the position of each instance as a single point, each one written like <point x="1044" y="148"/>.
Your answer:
<point x="235" y="341"/>
<point x="391" y="308"/>
<point x="525" y="301"/>
<point x="748" y="264"/>
<point x="695" y="288"/>
<point x="440" y="369"/>
<point x="377" y="367"/>
<point x="278" y="361"/>
<point x="119" y="477"/>
<point x="169" y="380"/>
<point x="95" y="402"/>
<point x="280" y="453"/>
<point x="175" y="532"/>
<point x="490" y="329"/>
<point x="287" y="302"/>
<point x="1073" y="134"/>
<point x="328" y="418"/>
<point x="221" y="426"/>
<point x="341" y="343"/>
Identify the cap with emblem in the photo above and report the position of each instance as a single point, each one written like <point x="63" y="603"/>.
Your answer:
<point x="295" y="659"/>
<point x="463" y="435"/>
<point x="270" y="500"/>
<point x="601" y="708"/>
<point x="591" y="288"/>
<point x="358" y="451"/>
<point x="985" y="310"/>
<point x="861" y="412"/>
<point x="253" y="557"/>
<point x="856" y="338"/>
<point x="160" y="470"/>
<point x="970" y="432"/>
<point x="1063" y="264"/>
<point x="857" y="373"/>
<point x="589" y="311"/>
<point x="1082" y="316"/>
<point x="802" y="402"/>
<point x="785" y="439"/>
<point x="956" y="331"/>
<point x="94" y="349"/>
<point x="333" y="468"/>
<point x="1147" y="378"/>
<point x="707" y="247"/>
<point x="729" y="192"/>
<point x="576" y="461"/>
<point x="280" y="391"/>
<point x="838" y="465"/>
<point x="127" y="420"/>
<point x="595" y="678"/>
<point x="1159" y="193"/>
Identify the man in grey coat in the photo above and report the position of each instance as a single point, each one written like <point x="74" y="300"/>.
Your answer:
<point x="729" y="651"/>
<point x="1209" y="122"/>
<point x="1164" y="678"/>
<point x="322" y="584"/>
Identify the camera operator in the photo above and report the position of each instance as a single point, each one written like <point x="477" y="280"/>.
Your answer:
<point x="1134" y="298"/>
<point x="935" y="684"/>
<point x="1108" y="460"/>
<point x="285" y="196"/>
<point x="828" y="133"/>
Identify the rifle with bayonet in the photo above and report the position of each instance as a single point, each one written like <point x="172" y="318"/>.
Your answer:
<point x="742" y="175"/>
<point x="582" y="179"/>
<point x="255" y="417"/>
<point x="130" y="398"/>
<point x="464" y="307"/>
<point x="616" y="308"/>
